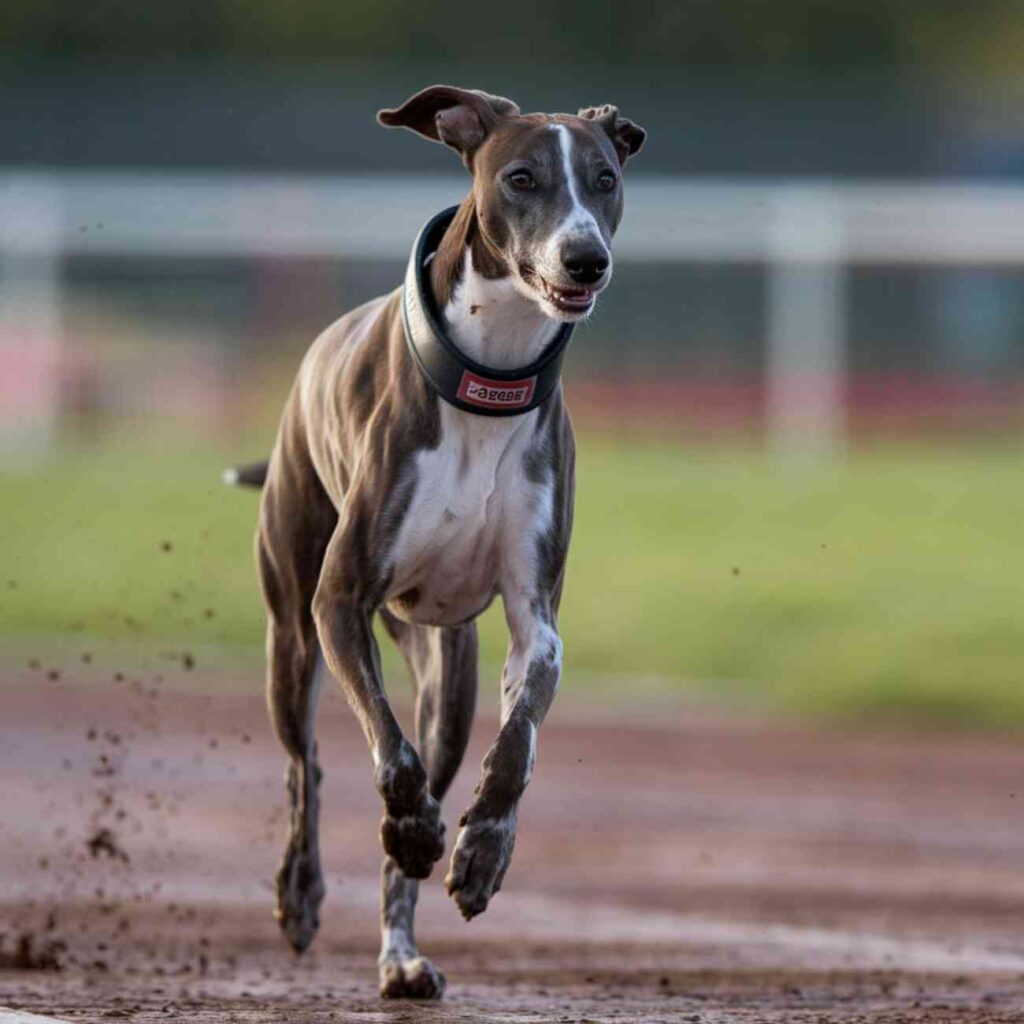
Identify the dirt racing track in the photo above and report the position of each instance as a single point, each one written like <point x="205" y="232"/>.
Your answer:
<point x="689" y="868"/>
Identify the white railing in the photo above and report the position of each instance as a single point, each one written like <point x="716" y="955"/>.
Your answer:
<point x="806" y="233"/>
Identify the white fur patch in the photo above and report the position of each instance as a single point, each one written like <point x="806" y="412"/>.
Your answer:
<point x="396" y="944"/>
<point x="493" y="322"/>
<point x="579" y="223"/>
<point x="470" y="501"/>
<point x="531" y="756"/>
<point x="471" y="527"/>
<point x="579" y="220"/>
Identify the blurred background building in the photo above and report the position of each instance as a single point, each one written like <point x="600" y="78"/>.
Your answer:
<point x="787" y="256"/>
<point x="822" y="255"/>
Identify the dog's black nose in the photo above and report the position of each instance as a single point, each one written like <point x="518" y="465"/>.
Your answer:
<point x="585" y="265"/>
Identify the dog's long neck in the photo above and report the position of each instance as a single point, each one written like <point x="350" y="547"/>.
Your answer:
<point x="486" y="316"/>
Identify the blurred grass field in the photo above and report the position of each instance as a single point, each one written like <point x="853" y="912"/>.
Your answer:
<point x="888" y="585"/>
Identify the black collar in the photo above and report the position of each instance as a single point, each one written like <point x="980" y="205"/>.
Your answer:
<point x="453" y="375"/>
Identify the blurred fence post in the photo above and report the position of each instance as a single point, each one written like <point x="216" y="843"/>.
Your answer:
<point x="806" y="325"/>
<point x="30" y="316"/>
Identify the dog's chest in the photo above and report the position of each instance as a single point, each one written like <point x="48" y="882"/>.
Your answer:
<point x="472" y="521"/>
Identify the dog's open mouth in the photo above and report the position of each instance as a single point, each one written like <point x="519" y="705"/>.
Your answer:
<point x="578" y="299"/>
<point x="570" y="300"/>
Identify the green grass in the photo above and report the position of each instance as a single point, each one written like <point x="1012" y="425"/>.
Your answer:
<point x="891" y="584"/>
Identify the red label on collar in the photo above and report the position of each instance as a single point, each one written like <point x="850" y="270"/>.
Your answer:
<point x="496" y="394"/>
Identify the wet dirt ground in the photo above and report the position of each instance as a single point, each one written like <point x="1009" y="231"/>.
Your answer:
<point x="674" y="865"/>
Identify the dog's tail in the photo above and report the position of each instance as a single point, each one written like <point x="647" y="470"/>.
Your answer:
<point x="252" y="474"/>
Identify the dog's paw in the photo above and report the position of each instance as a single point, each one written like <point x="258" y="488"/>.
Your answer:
<point x="415" y="839"/>
<point x="411" y="831"/>
<point x="479" y="862"/>
<point x="416" y="978"/>
<point x="300" y="890"/>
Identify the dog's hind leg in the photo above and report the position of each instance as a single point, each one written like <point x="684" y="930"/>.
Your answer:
<point x="443" y="663"/>
<point x="296" y="521"/>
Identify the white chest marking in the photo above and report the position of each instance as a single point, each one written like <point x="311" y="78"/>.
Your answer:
<point x="472" y="525"/>
<point x="473" y="514"/>
<point x="493" y="323"/>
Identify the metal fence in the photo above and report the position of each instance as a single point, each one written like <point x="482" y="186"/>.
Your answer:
<point x="806" y="235"/>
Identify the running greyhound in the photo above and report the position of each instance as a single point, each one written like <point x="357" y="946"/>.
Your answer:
<point x="425" y="464"/>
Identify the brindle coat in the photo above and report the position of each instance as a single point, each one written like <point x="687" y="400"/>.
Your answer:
<point x="381" y="498"/>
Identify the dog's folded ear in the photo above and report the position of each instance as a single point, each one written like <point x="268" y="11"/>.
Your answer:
<point x="627" y="137"/>
<point x="460" y="118"/>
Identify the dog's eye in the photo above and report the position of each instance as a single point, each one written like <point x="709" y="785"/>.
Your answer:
<point x="521" y="180"/>
<point x="606" y="181"/>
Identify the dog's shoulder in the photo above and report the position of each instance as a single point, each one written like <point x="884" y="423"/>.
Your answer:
<point x="347" y="358"/>
<point x="358" y="328"/>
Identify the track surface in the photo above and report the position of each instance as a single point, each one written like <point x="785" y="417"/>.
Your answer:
<point x="683" y="868"/>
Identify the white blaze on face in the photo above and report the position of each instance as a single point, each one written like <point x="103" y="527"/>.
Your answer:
<point x="579" y="222"/>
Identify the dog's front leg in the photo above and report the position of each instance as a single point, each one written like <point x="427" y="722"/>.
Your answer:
<point x="411" y="831"/>
<point x="488" y="829"/>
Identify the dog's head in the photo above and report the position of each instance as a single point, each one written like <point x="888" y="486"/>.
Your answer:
<point x="547" y="187"/>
